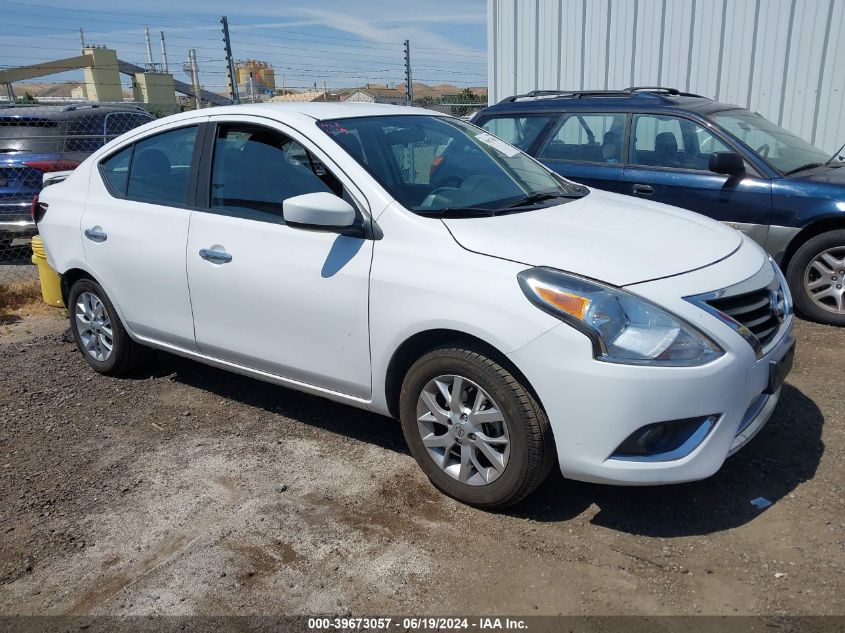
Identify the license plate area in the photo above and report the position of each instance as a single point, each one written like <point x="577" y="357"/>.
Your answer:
<point x="779" y="369"/>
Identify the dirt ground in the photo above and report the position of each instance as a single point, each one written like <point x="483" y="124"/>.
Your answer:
<point x="189" y="490"/>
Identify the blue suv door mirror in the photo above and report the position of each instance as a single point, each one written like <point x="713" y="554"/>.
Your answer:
<point x="729" y="163"/>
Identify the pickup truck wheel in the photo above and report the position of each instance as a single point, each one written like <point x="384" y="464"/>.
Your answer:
<point x="99" y="335"/>
<point x="475" y="430"/>
<point x="816" y="276"/>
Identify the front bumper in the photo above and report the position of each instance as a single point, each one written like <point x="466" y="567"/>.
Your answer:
<point x="593" y="406"/>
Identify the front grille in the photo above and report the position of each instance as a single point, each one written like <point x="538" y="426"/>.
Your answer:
<point x="755" y="310"/>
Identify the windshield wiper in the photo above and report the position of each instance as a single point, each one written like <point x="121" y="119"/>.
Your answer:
<point x="457" y="212"/>
<point x="802" y="168"/>
<point x="535" y="198"/>
<point x="511" y="207"/>
<point x="835" y="154"/>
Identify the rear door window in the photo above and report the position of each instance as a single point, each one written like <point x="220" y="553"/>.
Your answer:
<point x="161" y="167"/>
<point x="587" y="137"/>
<point x="521" y="132"/>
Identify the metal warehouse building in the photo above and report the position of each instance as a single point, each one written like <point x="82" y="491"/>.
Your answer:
<point x="778" y="57"/>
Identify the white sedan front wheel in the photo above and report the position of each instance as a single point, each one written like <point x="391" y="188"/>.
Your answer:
<point x="474" y="428"/>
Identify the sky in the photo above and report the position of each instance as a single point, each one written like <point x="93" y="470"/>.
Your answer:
<point x="340" y="43"/>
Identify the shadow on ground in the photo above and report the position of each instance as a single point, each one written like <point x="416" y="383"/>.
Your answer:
<point x="312" y="410"/>
<point x="784" y="454"/>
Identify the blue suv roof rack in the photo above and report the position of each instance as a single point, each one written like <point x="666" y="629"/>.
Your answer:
<point x="106" y="104"/>
<point x="655" y="91"/>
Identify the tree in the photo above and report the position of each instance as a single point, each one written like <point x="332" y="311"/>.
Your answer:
<point x="464" y="100"/>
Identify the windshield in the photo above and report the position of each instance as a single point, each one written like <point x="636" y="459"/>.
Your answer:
<point x="781" y="149"/>
<point x="433" y="163"/>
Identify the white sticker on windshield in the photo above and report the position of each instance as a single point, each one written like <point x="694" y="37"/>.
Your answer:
<point x="488" y="139"/>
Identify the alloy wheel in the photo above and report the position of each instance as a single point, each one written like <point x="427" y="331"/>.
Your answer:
<point x="463" y="430"/>
<point x="824" y="279"/>
<point x="94" y="326"/>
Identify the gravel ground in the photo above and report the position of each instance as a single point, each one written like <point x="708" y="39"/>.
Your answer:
<point x="188" y="490"/>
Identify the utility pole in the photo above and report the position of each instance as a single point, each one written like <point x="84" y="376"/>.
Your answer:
<point x="82" y="39"/>
<point x="195" y="75"/>
<point x="233" y="79"/>
<point x="325" y="92"/>
<point x="409" y="82"/>
<point x="164" y="52"/>
<point x="150" y="64"/>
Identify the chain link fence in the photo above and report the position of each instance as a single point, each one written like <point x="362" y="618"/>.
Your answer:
<point x="40" y="139"/>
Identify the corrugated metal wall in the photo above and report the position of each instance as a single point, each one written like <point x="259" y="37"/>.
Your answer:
<point x="778" y="57"/>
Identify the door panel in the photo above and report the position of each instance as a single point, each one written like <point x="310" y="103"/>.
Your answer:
<point x="283" y="300"/>
<point x="290" y="302"/>
<point x="138" y="248"/>
<point x="668" y="161"/>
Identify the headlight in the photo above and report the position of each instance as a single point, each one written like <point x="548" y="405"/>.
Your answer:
<point x="623" y="327"/>
<point x="784" y="289"/>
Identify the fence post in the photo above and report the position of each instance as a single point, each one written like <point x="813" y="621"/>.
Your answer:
<point x="409" y="82"/>
<point x="233" y="79"/>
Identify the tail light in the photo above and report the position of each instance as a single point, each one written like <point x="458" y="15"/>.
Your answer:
<point x="38" y="209"/>
<point x="52" y="165"/>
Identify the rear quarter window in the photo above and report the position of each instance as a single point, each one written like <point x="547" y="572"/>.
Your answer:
<point x="115" y="170"/>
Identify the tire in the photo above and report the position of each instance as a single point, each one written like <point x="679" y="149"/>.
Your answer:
<point x="524" y="460"/>
<point x="91" y="335"/>
<point x="808" y="266"/>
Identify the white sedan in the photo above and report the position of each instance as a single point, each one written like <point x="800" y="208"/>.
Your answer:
<point x="410" y="263"/>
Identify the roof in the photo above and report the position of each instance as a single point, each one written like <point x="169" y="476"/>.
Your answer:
<point x="318" y="110"/>
<point x="662" y="98"/>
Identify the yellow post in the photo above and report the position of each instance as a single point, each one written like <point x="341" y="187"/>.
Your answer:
<point x="51" y="288"/>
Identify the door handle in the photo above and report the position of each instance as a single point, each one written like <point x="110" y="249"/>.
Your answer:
<point x="643" y="190"/>
<point x="96" y="234"/>
<point x="215" y="257"/>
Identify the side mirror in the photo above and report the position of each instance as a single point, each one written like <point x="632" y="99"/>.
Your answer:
<point x="319" y="211"/>
<point x="729" y="163"/>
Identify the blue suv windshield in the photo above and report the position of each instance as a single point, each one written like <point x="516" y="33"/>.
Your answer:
<point x="433" y="164"/>
<point x="781" y="149"/>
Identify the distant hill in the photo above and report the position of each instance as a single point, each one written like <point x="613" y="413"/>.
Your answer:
<point x="59" y="90"/>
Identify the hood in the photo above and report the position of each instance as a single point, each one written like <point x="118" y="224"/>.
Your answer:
<point x="609" y="237"/>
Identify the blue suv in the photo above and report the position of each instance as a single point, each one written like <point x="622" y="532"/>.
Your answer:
<point x="720" y="160"/>
<point x="39" y="139"/>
